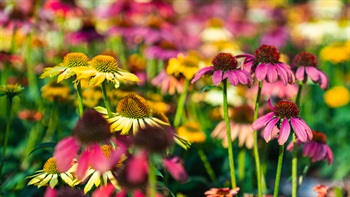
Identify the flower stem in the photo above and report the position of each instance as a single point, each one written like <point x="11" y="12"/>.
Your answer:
<point x="256" y="151"/>
<point x="181" y="104"/>
<point x="228" y="133"/>
<point x="152" y="179"/>
<point x="105" y="99"/>
<point x="294" y="168"/>
<point x="305" y="171"/>
<point x="9" y="114"/>
<point x="52" y="125"/>
<point x="80" y="100"/>
<point x="297" y="100"/>
<point x="206" y="164"/>
<point x="279" y="170"/>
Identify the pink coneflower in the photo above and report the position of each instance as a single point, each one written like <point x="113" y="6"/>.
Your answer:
<point x="168" y="83"/>
<point x="62" y="8"/>
<point x="284" y="115"/>
<point x="277" y="36"/>
<point x="305" y="65"/>
<point x="265" y="65"/>
<point x="240" y="124"/>
<point x="317" y="149"/>
<point x="225" y="65"/>
<point x="163" y="50"/>
<point x="277" y="89"/>
<point x="86" y="34"/>
<point x="91" y="130"/>
<point x="221" y="192"/>
<point x="175" y="167"/>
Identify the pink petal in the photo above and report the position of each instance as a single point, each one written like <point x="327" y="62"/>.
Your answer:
<point x="122" y="193"/>
<point x="244" y="77"/>
<point x="309" y="149"/>
<point x="202" y="72"/>
<point x="217" y="77"/>
<point x="65" y="151"/>
<point x="83" y="165"/>
<point x="320" y="154"/>
<point x="282" y="73"/>
<point x="98" y="160"/>
<point x="312" y="72"/>
<point x="104" y="191"/>
<point x="272" y="75"/>
<point x="176" y="169"/>
<point x="299" y="129"/>
<point x="260" y="71"/>
<point x="300" y="73"/>
<point x="329" y="154"/>
<point x="50" y="192"/>
<point x="323" y="81"/>
<point x="138" y="193"/>
<point x="284" y="132"/>
<point x="232" y="78"/>
<point x="262" y="121"/>
<point x="137" y="168"/>
<point x="267" y="133"/>
<point x="307" y="129"/>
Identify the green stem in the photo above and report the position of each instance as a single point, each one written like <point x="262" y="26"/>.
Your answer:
<point x="279" y="170"/>
<point x="228" y="133"/>
<point x="52" y="127"/>
<point x="152" y="179"/>
<point x="181" y="104"/>
<point x="305" y="171"/>
<point x="80" y="100"/>
<point x="8" y="123"/>
<point x="294" y="168"/>
<point x="297" y="100"/>
<point x="241" y="164"/>
<point x="206" y="164"/>
<point x="256" y="151"/>
<point x="105" y="99"/>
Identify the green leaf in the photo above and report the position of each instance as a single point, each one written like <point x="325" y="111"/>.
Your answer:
<point x="43" y="145"/>
<point x="209" y="87"/>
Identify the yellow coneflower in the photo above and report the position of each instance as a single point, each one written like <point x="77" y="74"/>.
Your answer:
<point x="49" y="175"/>
<point x="10" y="90"/>
<point x="104" y="67"/>
<point x="337" y="96"/>
<point x="64" y="69"/>
<point x="56" y="92"/>
<point x="191" y="132"/>
<point x="91" y="96"/>
<point x="184" y="65"/>
<point x="133" y="112"/>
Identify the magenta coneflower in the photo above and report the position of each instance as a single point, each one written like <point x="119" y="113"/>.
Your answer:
<point x="265" y="65"/>
<point x="221" y="192"/>
<point x="168" y="83"/>
<point x="317" y="149"/>
<point x="284" y="115"/>
<point x="163" y="50"/>
<point x="175" y="167"/>
<point x="225" y="65"/>
<point x="305" y="65"/>
<point x="91" y="131"/>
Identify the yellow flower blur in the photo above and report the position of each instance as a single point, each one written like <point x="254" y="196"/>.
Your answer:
<point x="191" y="132"/>
<point x="337" y="96"/>
<point x="55" y="92"/>
<point x="336" y="53"/>
<point x="184" y="65"/>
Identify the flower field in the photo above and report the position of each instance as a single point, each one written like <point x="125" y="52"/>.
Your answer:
<point x="178" y="98"/>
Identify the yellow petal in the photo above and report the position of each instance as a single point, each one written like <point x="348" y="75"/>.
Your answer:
<point x="53" y="181"/>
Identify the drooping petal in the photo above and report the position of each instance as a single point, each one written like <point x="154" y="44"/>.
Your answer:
<point x="104" y="191"/>
<point x="262" y="121"/>
<point x="320" y="153"/>
<point x="312" y="72"/>
<point x="309" y="149"/>
<point x="329" y="154"/>
<point x="176" y="169"/>
<point x="267" y="132"/>
<point x="300" y="73"/>
<point x="83" y="165"/>
<point x="323" y="80"/>
<point x="232" y="78"/>
<point x="299" y="129"/>
<point x="261" y="71"/>
<point x="284" y="132"/>
<point x="65" y="151"/>
<point x="272" y="75"/>
<point x="98" y="160"/>
<point x="282" y="74"/>
<point x="137" y="168"/>
<point x="307" y="129"/>
<point x="202" y="72"/>
<point x="217" y="77"/>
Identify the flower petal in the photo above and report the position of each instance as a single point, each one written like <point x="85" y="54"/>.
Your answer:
<point x="262" y="121"/>
<point x="201" y="72"/>
<point x="284" y="132"/>
<point x="267" y="132"/>
<point x="217" y="77"/>
<point x="261" y="71"/>
<point x="299" y="129"/>
<point x="65" y="151"/>
<point x="83" y="165"/>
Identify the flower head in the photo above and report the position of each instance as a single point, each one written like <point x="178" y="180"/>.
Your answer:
<point x="225" y="65"/>
<point x="63" y="70"/>
<point x="221" y="192"/>
<point x="168" y="83"/>
<point x="133" y="112"/>
<point x="54" y="91"/>
<point x="183" y="65"/>
<point x="337" y="96"/>
<point x="265" y="65"/>
<point x="305" y="65"/>
<point x="317" y="149"/>
<point x="322" y="190"/>
<point x="49" y="175"/>
<point x="104" y="67"/>
<point x="191" y="132"/>
<point x="10" y="90"/>
<point x="284" y="115"/>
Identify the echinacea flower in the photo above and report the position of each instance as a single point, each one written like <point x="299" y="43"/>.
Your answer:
<point x="221" y="192"/>
<point x="225" y="65"/>
<point x="321" y="190"/>
<point x="54" y="91"/>
<point x="168" y="83"/>
<point x="317" y="149"/>
<point x="63" y="70"/>
<point x="10" y="90"/>
<point x="337" y="96"/>
<point x="86" y="34"/>
<point x="305" y="66"/>
<point x="265" y="65"/>
<point x="175" y="167"/>
<point x="133" y="112"/>
<point x="49" y="175"/>
<point x="64" y="191"/>
<point x="104" y="67"/>
<point x="91" y="131"/>
<point x="184" y="65"/>
<point x="240" y="124"/>
<point x="284" y="115"/>
<point x="191" y="132"/>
